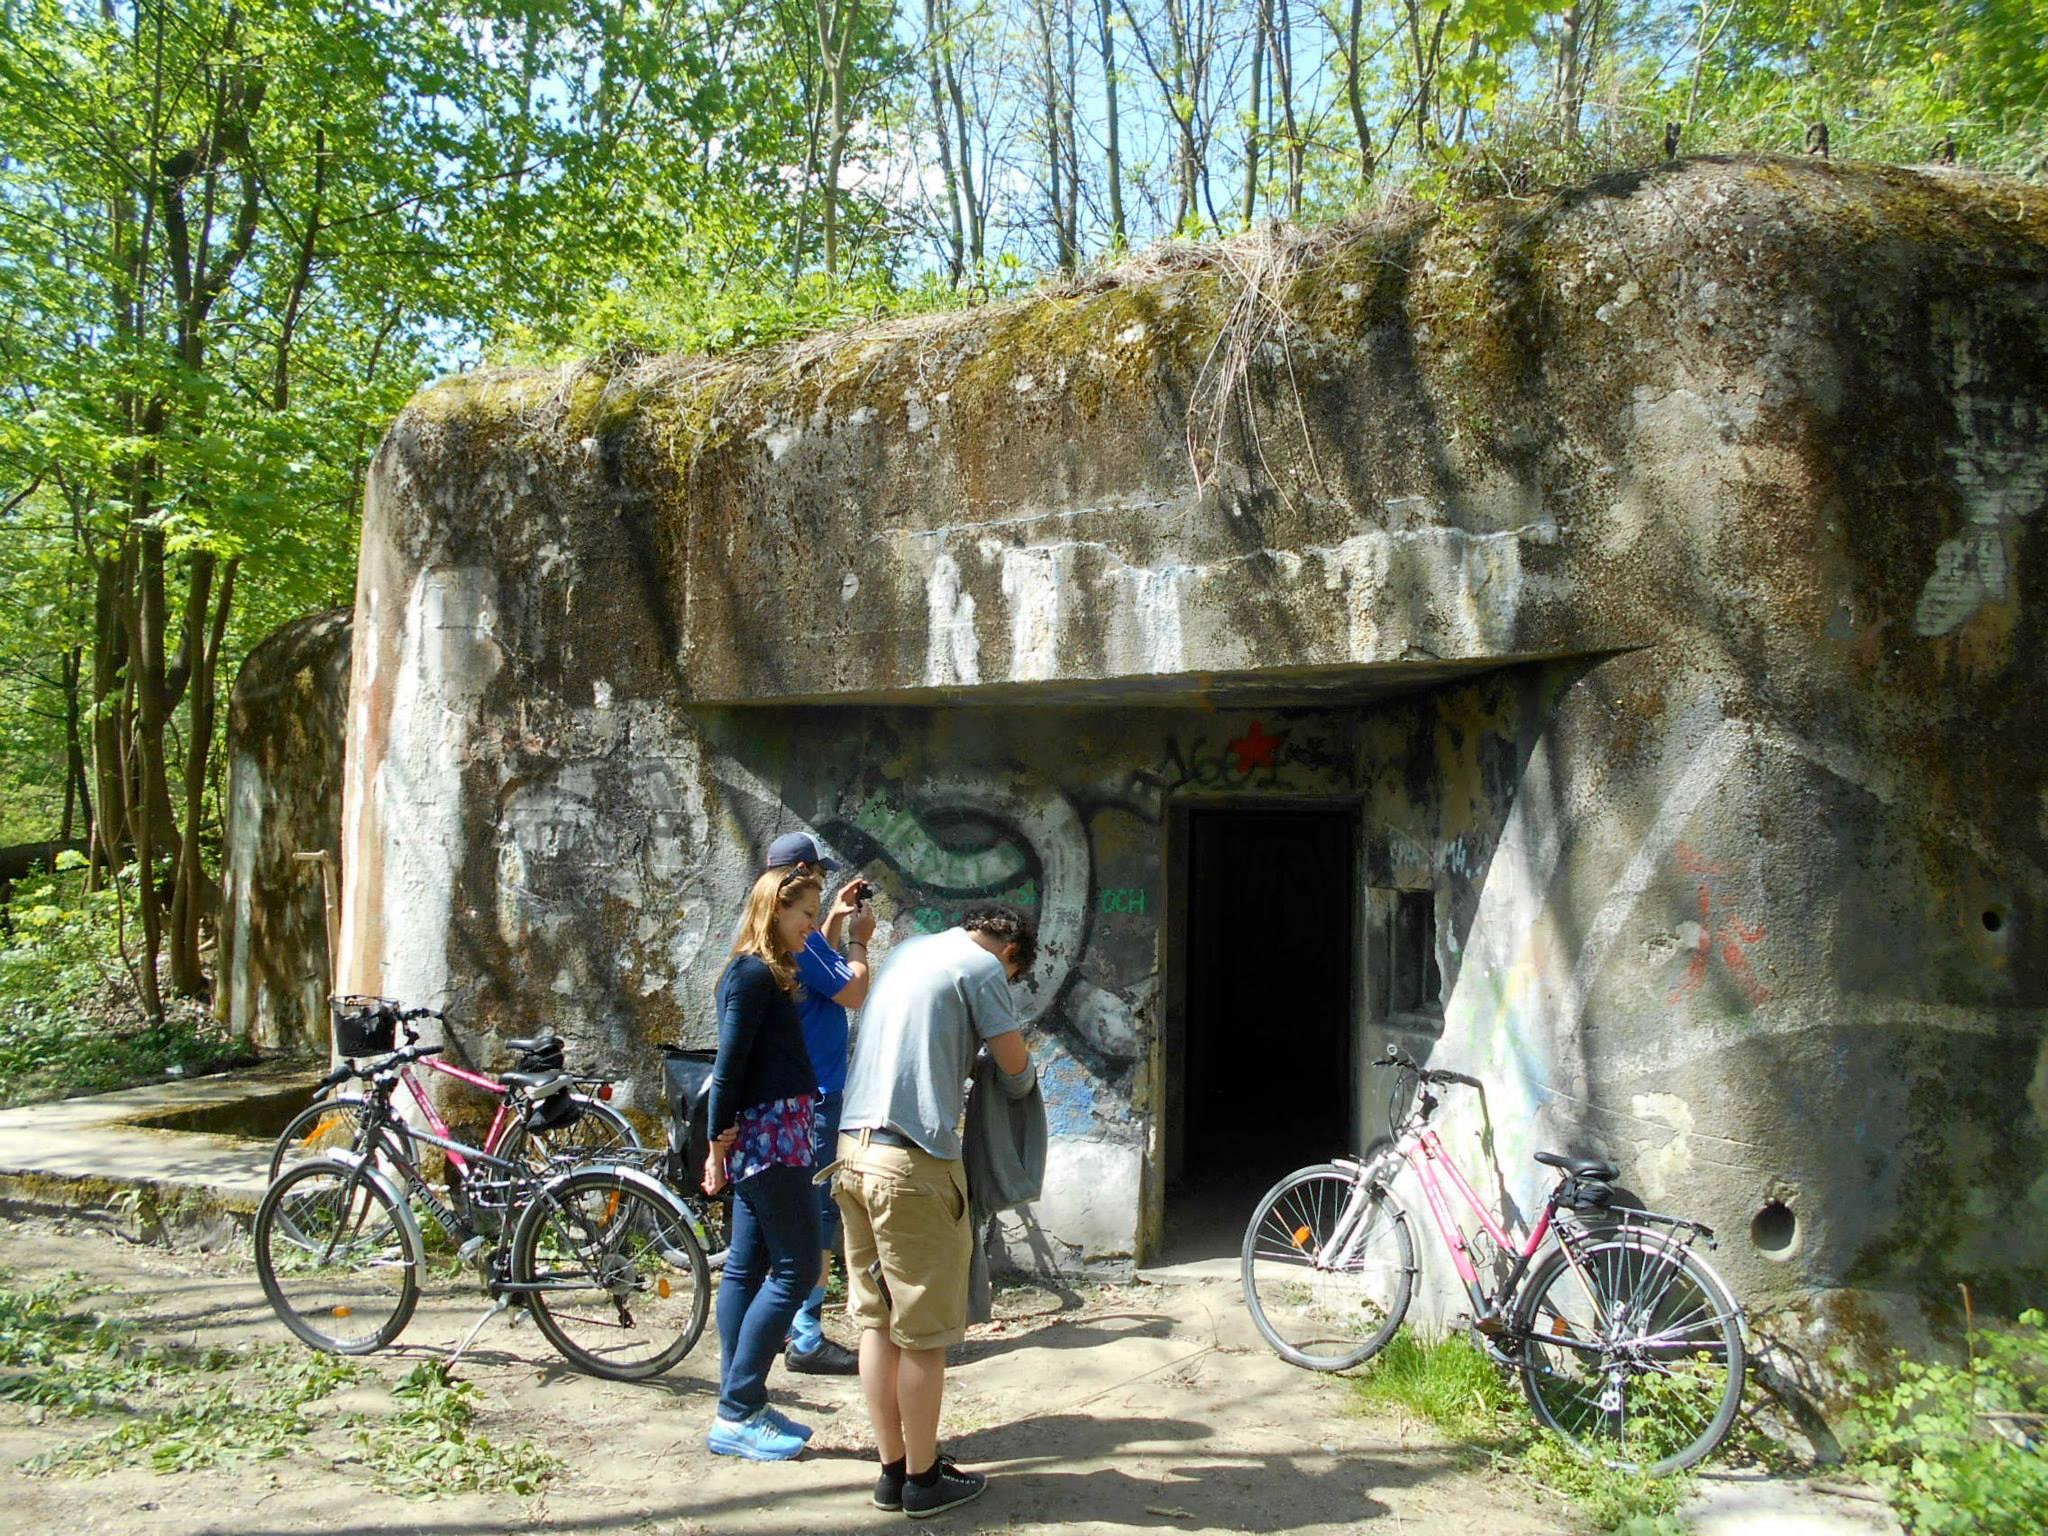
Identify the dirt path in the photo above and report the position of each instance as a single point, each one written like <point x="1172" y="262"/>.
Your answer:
<point x="1137" y="1407"/>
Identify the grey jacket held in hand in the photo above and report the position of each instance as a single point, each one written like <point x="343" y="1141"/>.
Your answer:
<point x="1002" y="1149"/>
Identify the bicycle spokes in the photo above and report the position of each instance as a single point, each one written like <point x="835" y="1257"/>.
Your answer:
<point x="1327" y="1267"/>
<point x="1641" y="1364"/>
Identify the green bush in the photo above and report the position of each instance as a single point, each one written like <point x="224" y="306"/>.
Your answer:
<point x="1963" y="1450"/>
<point x="71" y="1020"/>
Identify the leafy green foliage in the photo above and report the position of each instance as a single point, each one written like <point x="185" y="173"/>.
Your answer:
<point x="1963" y="1449"/>
<point x="1455" y="1387"/>
<point x="431" y="1445"/>
<point x="200" y="1425"/>
<point x="181" y="1412"/>
<point x="185" y="1410"/>
<point x="54" y="1357"/>
<point x="69" y="1023"/>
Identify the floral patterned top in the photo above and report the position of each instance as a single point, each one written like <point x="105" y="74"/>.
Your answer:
<point x="772" y="1135"/>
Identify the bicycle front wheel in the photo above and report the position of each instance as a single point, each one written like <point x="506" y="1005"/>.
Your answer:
<point x="1328" y="1268"/>
<point x="612" y="1273"/>
<point x="1635" y="1357"/>
<point x="337" y="1262"/>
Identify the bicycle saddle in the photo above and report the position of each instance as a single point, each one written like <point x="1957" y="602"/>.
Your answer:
<point x="537" y="1085"/>
<point x="533" y="1043"/>
<point x="1577" y="1167"/>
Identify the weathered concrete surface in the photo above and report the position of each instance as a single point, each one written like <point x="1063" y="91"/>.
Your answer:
<point x="167" y="1153"/>
<point x="285" y="725"/>
<point x="1732" y="472"/>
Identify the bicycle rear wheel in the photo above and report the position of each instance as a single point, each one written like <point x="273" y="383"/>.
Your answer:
<point x="1640" y="1365"/>
<point x="337" y="1262"/>
<point x="612" y="1273"/>
<point x="599" y="1132"/>
<point x="1323" y="1309"/>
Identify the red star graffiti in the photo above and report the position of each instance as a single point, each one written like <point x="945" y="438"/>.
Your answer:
<point x="1255" y="749"/>
<point x="1727" y="933"/>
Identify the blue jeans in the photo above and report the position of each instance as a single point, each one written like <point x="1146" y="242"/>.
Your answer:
<point x="771" y="1264"/>
<point x="807" y="1331"/>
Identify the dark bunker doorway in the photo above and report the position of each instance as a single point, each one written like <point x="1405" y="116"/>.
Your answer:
<point x="1260" y="1047"/>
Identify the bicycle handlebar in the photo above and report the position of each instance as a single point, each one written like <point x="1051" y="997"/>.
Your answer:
<point x="1396" y="1057"/>
<point x="347" y="1070"/>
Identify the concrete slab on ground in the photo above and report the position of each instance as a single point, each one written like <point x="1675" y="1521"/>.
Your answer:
<point x="1752" y="1504"/>
<point x="164" y="1140"/>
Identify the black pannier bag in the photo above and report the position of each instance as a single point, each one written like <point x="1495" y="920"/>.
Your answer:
<point x="687" y="1075"/>
<point x="1586" y="1194"/>
<point x="364" y="1026"/>
<point x="557" y="1111"/>
<point x="548" y="1058"/>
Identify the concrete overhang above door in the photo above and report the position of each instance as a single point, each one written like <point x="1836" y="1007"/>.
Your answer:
<point x="1343" y="685"/>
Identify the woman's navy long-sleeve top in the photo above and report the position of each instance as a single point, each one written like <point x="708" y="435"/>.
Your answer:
<point x="761" y="1053"/>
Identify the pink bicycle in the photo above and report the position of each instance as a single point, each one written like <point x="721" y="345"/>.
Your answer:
<point x="1627" y="1343"/>
<point x="583" y="1129"/>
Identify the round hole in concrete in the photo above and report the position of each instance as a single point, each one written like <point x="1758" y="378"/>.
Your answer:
<point x="1993" y="919"/>
<point x="1775" y="1230"/>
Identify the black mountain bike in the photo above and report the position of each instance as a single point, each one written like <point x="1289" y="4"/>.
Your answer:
<point x="605" y="1259"/>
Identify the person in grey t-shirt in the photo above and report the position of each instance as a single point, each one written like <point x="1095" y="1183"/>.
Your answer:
<point x="901" y="1187"/>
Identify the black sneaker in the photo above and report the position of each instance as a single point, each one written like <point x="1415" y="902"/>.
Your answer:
<point x="830" y="1358"/>
<point x="953" y="1489"/>
<point x="889" y="1486"/>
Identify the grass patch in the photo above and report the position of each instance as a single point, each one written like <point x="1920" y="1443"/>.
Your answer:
<point x="1454" y="1386"/>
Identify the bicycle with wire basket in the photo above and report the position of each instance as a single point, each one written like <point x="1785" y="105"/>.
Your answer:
<point x="580" y="1125"/>
<point x="604" y="1258"/>
<point x="1626" y="1342"/>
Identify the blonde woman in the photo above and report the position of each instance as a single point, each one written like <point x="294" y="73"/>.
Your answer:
<point x="764" y="1096"/>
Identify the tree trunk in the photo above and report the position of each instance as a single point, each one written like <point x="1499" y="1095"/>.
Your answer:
<point x="1113" y="168"/>
<point x="1262" y="31"/>
<point x="1283" y="98"/>
<point x="837" y="22"/>
<point x="937" y="40"/>
<point x="1354" y="97"/>
<point x="192" y="903"/>
<point x="1577" y="36"/>
<point x="1049" y="102"/>
<point x="970" y="200"/>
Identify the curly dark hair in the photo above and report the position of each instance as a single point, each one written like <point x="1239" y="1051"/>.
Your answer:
<point x="1003" y="922"/>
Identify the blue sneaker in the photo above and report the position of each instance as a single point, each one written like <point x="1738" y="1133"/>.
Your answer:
<point x="787" y="1425"/>
<point x="757" y="1437"/>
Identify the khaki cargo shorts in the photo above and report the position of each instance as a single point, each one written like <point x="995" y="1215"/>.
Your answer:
<point x="909" y="1209"/>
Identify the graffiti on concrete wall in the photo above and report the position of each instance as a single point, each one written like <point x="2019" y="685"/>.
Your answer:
<point x="1719" y="932"/>
<point x="1059" y="815"/>
<point x="940" y="850"/>
<point x="1292" y="758"/>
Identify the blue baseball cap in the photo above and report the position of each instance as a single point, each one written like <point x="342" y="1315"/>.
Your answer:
<point x="797" y="848"/>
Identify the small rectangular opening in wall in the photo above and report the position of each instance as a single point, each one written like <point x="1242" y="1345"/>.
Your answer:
<point x="1414" y="983"/>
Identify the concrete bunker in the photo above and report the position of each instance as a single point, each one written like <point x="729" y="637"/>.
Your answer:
<point x="1652" y="585"/>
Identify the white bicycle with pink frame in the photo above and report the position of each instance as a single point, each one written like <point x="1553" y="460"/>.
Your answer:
<point x="1626" y="1342"/>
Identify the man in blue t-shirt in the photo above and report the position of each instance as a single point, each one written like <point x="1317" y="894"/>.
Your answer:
<point x="828" y="983"/>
